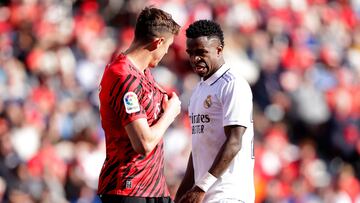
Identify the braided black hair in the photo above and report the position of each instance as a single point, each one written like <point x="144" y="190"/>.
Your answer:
<point x="206" y="28"/>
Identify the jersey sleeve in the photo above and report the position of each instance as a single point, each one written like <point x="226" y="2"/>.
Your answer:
<point x="125" y="98"/>
<point x="236" y="98"/>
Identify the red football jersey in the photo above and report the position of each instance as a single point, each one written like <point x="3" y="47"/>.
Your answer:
<point x="126" y="95"/>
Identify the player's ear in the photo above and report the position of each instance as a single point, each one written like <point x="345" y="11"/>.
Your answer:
<point x="219" y="49"/>
<point x="154" y="44"/>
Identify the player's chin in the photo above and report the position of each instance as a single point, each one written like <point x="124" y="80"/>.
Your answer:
<point x="201" y="72"/>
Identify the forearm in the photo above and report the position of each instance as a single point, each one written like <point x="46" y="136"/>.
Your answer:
<point x="224" y="157"/>
<point x="222" y="161"/>
<point x="145" y="138"/>
<point x="159" y="129"/>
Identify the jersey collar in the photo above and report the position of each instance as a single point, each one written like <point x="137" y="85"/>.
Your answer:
<point x="212" y="79"/>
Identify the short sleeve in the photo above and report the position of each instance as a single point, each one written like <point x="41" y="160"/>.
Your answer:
<point x="236" y="98"/>
<point x="126" y="97"/>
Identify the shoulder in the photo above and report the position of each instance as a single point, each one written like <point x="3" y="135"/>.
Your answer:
<point x="233" y="85"/>
<point x="119" y="66"/>
<point x="233" y="78"/>
<point x="120" y="69"/>
<point x="118" y="74"/>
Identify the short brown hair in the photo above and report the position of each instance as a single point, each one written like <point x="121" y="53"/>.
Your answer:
<point x="153" y="22"/>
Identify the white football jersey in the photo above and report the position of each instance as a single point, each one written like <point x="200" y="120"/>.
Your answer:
<point x="223" y="99"/>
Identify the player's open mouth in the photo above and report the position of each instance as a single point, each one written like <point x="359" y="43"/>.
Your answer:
<point x="200" y="68"/>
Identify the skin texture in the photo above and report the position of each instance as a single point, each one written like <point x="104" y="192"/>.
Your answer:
<point x="206" y="57"/>
<point x="148" y="55"/>
<point x="162" y="49"/>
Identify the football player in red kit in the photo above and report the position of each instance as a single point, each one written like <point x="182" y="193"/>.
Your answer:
<point x="135" y="113"/>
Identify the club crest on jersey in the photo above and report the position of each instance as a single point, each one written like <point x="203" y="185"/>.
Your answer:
<point x="131" y="102"/>
<point x="207" y="102"/>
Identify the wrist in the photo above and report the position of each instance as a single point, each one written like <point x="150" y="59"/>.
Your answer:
<point x="166" y="117"/>
<point x="206" y="181"/>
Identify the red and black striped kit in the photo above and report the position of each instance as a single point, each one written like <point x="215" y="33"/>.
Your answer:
<point x="126" y="172"/>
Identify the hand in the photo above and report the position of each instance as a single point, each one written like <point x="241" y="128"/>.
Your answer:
<point x="195" y="195"/>
<point x="171" y="106"/>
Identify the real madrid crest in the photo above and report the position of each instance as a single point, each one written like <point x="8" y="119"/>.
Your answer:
<point x="207" y="102"/>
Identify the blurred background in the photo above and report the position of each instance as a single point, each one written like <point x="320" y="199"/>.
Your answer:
<point x="301" y="58"/>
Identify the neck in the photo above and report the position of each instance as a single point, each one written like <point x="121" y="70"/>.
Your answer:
<point x="139" y="56"/>
<point x="220" y="64"/>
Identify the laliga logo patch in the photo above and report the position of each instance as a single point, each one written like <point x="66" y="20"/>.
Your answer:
<point x="131" y="103"/>
<point x="207" y="102"/>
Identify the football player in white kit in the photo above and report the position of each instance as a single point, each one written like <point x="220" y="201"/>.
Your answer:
<point x="221" y="164"/>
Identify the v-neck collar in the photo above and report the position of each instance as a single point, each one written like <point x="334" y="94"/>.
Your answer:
<point x="212" y="79"/>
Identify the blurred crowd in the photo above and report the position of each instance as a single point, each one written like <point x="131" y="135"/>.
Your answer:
<point x="301" y="58"/>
